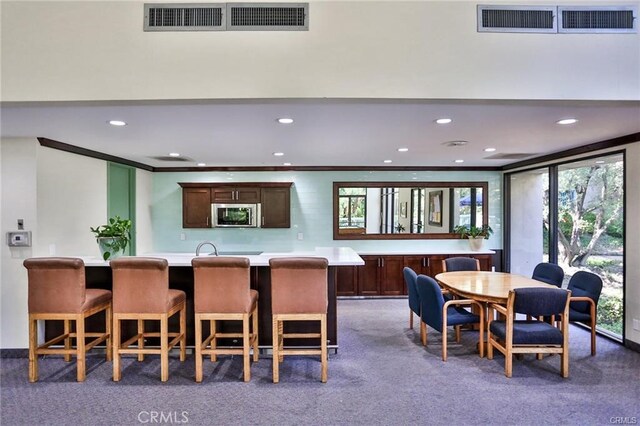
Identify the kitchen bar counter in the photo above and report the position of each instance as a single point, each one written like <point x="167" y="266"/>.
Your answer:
<point x="98" y="275"/>
<point x="337" y="256"/>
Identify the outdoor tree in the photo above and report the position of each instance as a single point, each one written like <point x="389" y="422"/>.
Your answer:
<point x="590" y="201"/>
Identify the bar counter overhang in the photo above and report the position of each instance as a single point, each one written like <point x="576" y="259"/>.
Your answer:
<point x="98" y="275"/>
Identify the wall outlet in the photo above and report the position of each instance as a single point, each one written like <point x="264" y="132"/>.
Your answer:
<point x="300" y="236"/>
<point x="636" y="324"/>
<point x="183" y="236"/>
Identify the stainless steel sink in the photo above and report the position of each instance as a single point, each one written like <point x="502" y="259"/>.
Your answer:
<point x="237" y="253"/>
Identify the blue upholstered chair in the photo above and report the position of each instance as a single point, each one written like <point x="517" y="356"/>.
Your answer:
<point x="549" y="273"/>
<point x="438" y="314"/>
<point x="585" y="290"/>
<point x="454" y="264"/>
<point x="410" y="278"/>
<point x="511" y="336"/>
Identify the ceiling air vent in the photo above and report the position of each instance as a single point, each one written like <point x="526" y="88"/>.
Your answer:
<point x="268" y="16"/>
<point x="517" y="19"/>
<point x="597" y="19"/>
<point x="184" y="17"/>
<point x="172" y="159"/>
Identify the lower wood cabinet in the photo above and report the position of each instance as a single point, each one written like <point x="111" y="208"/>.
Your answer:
<point x="381" y="275"/>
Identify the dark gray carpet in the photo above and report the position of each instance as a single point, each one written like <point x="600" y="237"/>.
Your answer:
<point x="381" y="375"/>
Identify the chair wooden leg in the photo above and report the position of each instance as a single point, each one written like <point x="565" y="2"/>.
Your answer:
<point x="214" y="341"/>
<point x="276" y="344"/>
<point x="108" y="314"/>
<point x="410" y="319"/>
<point x="245" y="348"/>
<point x="80" y="348"/>
<point x="198" y="345"/>
<point x="423" y="333"/>
<point x="444" y="340"/>
<point x="33" y="346"/>
<point x="67" y="341"/>
<point x="508" y="362"/>
<point x="116" y="348"/>
<point x="183" y="333"/>
<point x="489" y="347"/>
<point x="256" y="350"/>
<point x="481" y="332"/>
<point x="323" y="348"/>
<point x="457" y="330"/>
<point x="140" y="338"/>
<point x="280" y="341"/>
<point x="593" y="333"/>
<point x="164" y="348"/>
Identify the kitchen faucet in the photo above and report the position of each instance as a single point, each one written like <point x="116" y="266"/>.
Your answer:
<point x="215" y="249"/>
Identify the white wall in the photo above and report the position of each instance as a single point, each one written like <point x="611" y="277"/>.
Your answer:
<point x="59" y="195"/>
<point x="527" y="195"/>
<point x="405" y="49"/>
<point x="19" y="181"/>
<point x="71" y="198"/>
<point x="632" y="239"/>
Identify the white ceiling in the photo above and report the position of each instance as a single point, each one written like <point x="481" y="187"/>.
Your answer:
<point x="325" y="132"/>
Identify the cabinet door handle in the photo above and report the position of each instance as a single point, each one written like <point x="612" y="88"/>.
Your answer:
<point x="424" y="262"/>
<point x="207" y="221"/>
<point x="428" y="263"/>
<point x="262" y="221"/>
<point x="382" y="261"/>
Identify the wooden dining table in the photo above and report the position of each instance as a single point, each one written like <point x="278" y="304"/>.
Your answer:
<point x="484" y="286"/>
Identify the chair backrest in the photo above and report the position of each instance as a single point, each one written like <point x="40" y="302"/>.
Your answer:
<point x="584" y="283"/>
<point x="410" y="278"/>
<point x="431" y="301"/>
<point x="539" y="301"/>
<point x="56" y="284"/>
<point x="299" y="285"/>
<point x="549" y="273"/>
<point x="140" y="284"/>
<point x="221" y="284"/>
<point x="454" y="264"/>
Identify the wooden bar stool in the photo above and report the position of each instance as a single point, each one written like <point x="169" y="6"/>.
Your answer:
<point x="57" y="291"/>
<point x="141" y="293"/>
<point x="222" y="292"/>
<point x="298" y="293"/>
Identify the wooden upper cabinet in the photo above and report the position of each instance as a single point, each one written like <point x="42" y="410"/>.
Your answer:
<point x="276" y="207"/>
<point x="196" y="208"/>
<point x="244" y="195"/>
<point x="274" y="197"/>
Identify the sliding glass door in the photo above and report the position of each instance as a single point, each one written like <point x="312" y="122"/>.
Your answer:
<point x="591" y="229"/>
<point x="572" y="214"/>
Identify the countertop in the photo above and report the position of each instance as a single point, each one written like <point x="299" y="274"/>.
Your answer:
<point x="426" y="252"/>
<point x="337" y="256"/>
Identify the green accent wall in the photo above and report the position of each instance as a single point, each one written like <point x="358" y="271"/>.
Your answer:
<point x="311" y="212"/>
<point x="121" y="196"/>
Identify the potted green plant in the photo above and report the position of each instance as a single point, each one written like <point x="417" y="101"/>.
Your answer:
<point x="113" y="237"/>
<point x="475" y="234"/>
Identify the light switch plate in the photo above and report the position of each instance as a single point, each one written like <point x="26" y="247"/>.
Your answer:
<point x="19" y="239"/>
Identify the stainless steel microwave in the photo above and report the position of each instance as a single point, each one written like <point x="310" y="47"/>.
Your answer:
<point x="236" y="215"/>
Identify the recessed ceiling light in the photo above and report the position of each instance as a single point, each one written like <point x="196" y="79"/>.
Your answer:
<point x="388" y="161"/>
<point x="286" y="164"/>
<point x="117" y="123"/>
<point x="285" y="120"/>
<point x="174" y="154"/>
<point x="459" y="161"/>
<point x="444" y="120"/>
<point x="278" y="154"/>
<point x="201" y="164"/>
<point x="600" y="162"/>
<point x="567" y="121"/>
<point x="489" y="149"/>
<point x="403" y="149"/>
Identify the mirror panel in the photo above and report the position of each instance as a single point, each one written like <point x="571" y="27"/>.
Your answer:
<point x="406" y="210"/>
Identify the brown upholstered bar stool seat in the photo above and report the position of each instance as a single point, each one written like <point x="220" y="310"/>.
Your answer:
<point x="222" y="292"/>
<point x="57" y="291"/>
<point x="141" y="293"/>
<point x="298" y="293"/>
